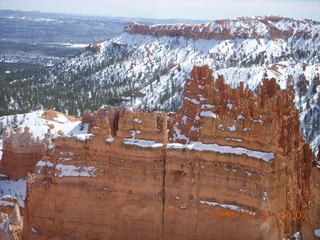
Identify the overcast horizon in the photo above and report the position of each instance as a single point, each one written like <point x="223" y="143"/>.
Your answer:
<point x="175" y="9"/>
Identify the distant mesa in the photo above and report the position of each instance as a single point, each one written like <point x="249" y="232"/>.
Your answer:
<point x="255" y="27"/>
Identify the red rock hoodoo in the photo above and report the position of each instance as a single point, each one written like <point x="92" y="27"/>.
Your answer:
<point x="149" y="175"/>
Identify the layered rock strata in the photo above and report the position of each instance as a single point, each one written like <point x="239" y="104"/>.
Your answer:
<point x="256" y="27"/>
<point x="24" y="146"/>
<point x="152" y="175"/>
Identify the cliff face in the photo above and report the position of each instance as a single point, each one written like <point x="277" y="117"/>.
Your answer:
<point x="257" y="27"/>
<point x="24" y="146"/>
<point x="264" y="157"/>
<point x="149" y="175"/>
<point x="103" y="188"/>
<point x="21" y="153"/>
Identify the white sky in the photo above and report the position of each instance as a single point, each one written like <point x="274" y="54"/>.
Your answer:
<point x="191" y="9"/>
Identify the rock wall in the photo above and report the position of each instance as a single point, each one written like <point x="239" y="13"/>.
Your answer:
<point x="151" y="175"/>
<point x="22" y="150"/>
<point x="258" y="27"/>
<point x="118" y="189"/>
<point x="212" y="112"/>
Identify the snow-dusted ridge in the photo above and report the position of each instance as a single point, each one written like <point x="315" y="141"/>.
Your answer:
<point x="38" y="126"/>
<point x="157" y="66"/>
<point x="241" y="27"/>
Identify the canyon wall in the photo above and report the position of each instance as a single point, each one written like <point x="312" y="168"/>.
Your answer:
<point x="21" y="153"/>
<point x="258" y="27"/>
<point x="153" y="175"/>
<point x="25" y="145"/>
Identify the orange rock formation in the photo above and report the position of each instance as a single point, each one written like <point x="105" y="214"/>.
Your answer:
<point x="22" y="150"/>
<point x="222" y="29"/>
<point x="151" y="175"/>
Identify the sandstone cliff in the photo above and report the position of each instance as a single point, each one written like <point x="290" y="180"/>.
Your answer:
<point x="24" y="146"/>
<point x="152" y="175"/>
<point x="256" y="27"/>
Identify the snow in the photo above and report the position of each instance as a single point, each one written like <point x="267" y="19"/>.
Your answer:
<point x="264" y="196"/>
<point x="68" y="170"/>
<point x="196" y="129"/>
<point x="34" y="230"/>
<point x="240" y="117"/>
<point x="199" y="146"/>
<point x="39" y="126"/>
<point x="6" y="203"/>
<point x="134" y="133"/>
<point x="183" y="206"/>
<point x="136" y="120"/>
<point x="177" y="135"/>
<point x="44" y="164"/>
<point x="317" y="232"/>
<point x="297" y="236"/>
<point x="192" y="100"/>
<point x="142" y="143"/>
<point x="228" y="206"/>
<point x="184" y="119"/>
<point x="67" y="153"/>
<point x="109" y="140"/>
<point x="65" y="159"/>
<point x="234" y="139"/>
<point x="14" y="188"/>
<point x="50" y="147"/>
<point x="229" y="106"/>
<point x="84" y="137"/>
<point x="232" y="128"/>
<point x="203" y="106"/>
<point x="201" y="98"/>
<point x="61" y="119"/>
<point x="208" y="114"/>
<point x="73" y="171"/>
<point x="258" y="121"/>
